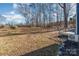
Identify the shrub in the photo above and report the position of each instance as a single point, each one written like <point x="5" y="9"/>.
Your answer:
<point x="1" y="26"/>
<point x="13" y="27"/>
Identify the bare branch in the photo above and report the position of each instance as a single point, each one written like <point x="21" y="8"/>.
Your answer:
<point x="70" y="10"/>
<point x="71" y="7"/>
<point x="61" y="5"/>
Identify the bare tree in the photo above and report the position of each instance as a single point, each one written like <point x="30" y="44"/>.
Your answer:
<point x="25" y="11"/>
<point x="66" y="9"/>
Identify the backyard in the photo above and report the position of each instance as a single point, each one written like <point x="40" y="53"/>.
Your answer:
<point x="22" y="41"/>
<point x="33" y="29"/>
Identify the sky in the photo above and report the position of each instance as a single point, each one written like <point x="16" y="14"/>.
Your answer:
<point x="6" y="7"/>
<point x="8" y="10"/>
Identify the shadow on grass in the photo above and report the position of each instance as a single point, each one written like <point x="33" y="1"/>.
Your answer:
<point x="51" y="50"/>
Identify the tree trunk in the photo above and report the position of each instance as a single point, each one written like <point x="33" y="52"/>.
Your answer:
<point x="65" y="17"/>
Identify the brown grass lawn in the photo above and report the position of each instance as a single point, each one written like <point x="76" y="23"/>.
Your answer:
<point x="25" y="43"/>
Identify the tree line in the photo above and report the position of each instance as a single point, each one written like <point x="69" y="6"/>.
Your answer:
<point x="45" y="14"/>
